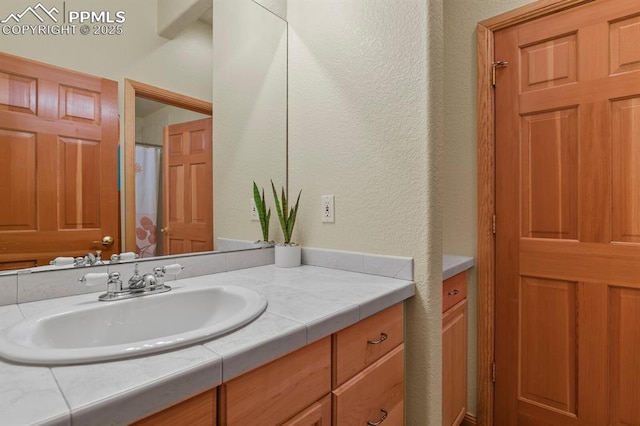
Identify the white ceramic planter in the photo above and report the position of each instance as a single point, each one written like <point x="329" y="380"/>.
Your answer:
<point x="288" y="256"/>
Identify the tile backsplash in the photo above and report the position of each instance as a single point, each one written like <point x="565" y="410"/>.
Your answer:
<point x="27" y="286"/>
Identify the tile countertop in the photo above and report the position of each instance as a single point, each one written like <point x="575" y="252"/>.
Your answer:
<point x="304" y="305"/>
<point x="453" y="265"/>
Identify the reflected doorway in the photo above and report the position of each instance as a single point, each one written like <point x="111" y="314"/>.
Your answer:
<point x="173" y="178"/>
<point x="149" y="114"/>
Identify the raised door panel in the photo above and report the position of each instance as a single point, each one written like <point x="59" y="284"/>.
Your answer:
<point x="79" y="180"/>
<point x="18" y="93"/>
<point x="548" y="371"/>
<point x="376" y="394"/>
<point x="624" y="347"/>
<point x="18" y="181"/>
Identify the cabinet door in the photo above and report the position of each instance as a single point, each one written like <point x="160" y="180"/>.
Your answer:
<point x="374" y="393"/>
<point x="319" y="414"/>
<point x="454" y="364"/>
<point x="197" y="411"/>
<point x="276" y="392"/>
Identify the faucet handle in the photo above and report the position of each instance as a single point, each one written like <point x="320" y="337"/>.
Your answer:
<point x="173" y="269"/>
<point x="93" y="279"/>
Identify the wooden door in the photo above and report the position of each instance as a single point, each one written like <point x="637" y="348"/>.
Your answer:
<point x="58" y="163"/>
<point x="568" y="218"/>
<point x="188" y="187"/>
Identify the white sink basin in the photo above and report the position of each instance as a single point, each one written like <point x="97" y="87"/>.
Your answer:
<point x="112" y="330"/>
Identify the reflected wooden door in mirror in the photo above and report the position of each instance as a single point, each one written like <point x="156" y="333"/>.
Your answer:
<point x="188" y="185"/>
<point x="58" y="163"/>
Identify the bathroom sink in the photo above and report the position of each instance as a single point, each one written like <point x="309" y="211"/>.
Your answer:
<point x="106" y="331"/>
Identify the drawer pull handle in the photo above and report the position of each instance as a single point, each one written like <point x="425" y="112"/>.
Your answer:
<point x="383" y="337"/>
<point x="453" y="292"/>
<point x="381" y="419"/>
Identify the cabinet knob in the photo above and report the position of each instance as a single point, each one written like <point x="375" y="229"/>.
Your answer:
<point x="383" y="337"/>
<point x="453" y="292"/>
<point x="380" y="420"/>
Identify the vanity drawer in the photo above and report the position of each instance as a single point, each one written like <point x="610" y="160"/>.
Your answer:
<point x="374" y="393"/>
<point x="454" y="290"/>
<point x="276" y="392"/>
<point x="360" y="345"/>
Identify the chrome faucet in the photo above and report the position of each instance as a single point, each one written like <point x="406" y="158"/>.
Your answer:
<point x="147" y="281"/>
<point x="138" y="285"/>
<point x="89" y="259"/>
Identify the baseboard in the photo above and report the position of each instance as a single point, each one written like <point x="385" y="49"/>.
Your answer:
<point x="469" y="420"/>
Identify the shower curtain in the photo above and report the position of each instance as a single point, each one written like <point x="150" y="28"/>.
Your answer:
<point x="148" y="170"/>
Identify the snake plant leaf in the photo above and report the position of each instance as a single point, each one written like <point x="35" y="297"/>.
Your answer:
<point x="286" y="217"/>
<point x="263" y="215"/>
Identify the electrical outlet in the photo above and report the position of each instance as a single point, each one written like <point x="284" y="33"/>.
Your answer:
<point x="327" y="209"/>
<point x="254" y="210"/>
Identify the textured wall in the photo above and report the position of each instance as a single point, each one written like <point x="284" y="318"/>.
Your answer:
<point x="250" y="112"/>
<point x="460" y="198"/>
<point x="364" y="125"/>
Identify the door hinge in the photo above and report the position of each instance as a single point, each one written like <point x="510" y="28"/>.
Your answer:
<point x="495" y="65"/>
<point x="493" y="224"/>
<point x="493" y="372"/>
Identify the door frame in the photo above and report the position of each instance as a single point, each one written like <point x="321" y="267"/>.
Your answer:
<point x="131" y="90"/>
<point x="485" y="265"/>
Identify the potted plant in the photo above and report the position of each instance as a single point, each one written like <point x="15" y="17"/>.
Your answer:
<point x="263" y="214"/>
<point x="287" y="254"/>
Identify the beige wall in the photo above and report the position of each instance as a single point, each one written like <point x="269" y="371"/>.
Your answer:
<point x="364" y="125"/>
<point x="250" y="113"/>
<point x="460" y="198"/>
<point x="152" y="126"/>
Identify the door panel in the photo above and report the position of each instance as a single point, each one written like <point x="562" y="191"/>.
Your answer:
<point x="624" y="347"/>
<point x="548" y="372"/>
<point x="568" y="166"/>
<point x="58" y="146"/>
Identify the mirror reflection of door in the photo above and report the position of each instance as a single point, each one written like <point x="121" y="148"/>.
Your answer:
<point x="188" y="187"/>
<point x="58" y="163"/>
<point x="151" y="119"/>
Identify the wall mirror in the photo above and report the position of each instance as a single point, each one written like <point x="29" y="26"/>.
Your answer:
<point x="249" y="96"/>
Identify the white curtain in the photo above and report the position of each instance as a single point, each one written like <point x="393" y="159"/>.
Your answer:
<point x="147" y="192"/>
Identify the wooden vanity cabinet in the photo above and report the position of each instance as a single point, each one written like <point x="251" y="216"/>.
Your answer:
<point x="454" y="349"/>
<point x="368" y="379"/>
<point x="354" y="376"/>
<point x="199" y="410"/>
